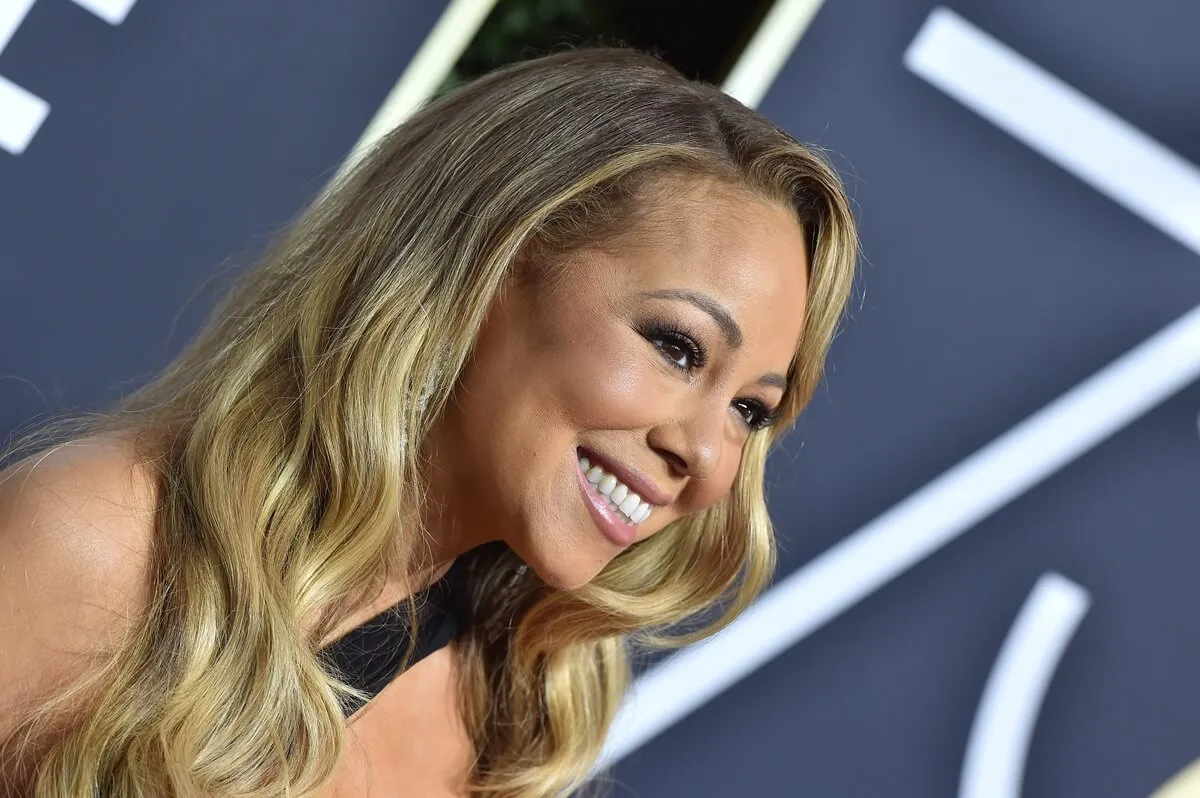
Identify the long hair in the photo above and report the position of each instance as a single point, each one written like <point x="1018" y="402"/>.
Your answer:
<point x="287" y="439"/>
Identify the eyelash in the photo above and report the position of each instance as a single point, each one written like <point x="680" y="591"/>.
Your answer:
<point x="763" y="417"/>
<point x="656" y="332"/>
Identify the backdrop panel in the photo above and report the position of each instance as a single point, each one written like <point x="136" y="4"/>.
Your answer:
<point x="181" y="138"/>
<point x="994" y="282"/>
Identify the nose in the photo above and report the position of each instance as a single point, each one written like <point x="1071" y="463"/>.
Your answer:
<point x="691" y="445"/>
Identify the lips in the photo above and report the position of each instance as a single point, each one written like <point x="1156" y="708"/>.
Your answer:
<point x="635" y="480"/>
<point x="618" y="496"/>
<point x="611" y="522"/>
<point x="615" y="493"/>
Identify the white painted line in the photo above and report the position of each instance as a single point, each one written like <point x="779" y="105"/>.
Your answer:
<point x="910" y="531"/>
<point x="111" y="11"/>
<point x="21" y="111"/>
<point x="21" y="114"/>
<point x="1073" y="131"/>
<point x="754" y="72"/>
<point x="773" y="42"/>
<point x="428" y="68"/>
<point x="12" y="14"/>
<point x="987" y="480"/>
<point x="994" y="765"/>
<point x="1186" y="784"/>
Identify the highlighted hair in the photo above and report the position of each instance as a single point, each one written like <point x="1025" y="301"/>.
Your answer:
<point x="286" y="441"/>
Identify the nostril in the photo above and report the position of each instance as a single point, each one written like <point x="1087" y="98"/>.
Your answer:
<point x="686" y="452"/>
<point x="678" y="465"/>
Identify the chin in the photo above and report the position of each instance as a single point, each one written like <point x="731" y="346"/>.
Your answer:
<point x="562" y="565"/>
<point x="564" y="581"/>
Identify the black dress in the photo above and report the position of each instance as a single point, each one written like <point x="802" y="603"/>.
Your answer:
<point x="370" y="656"/>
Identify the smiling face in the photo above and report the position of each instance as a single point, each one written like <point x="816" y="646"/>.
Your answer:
<point x="654" y="363"/>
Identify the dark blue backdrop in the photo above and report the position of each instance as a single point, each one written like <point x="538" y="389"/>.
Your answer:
<point x="177" y="140"/>
<point x="994" y="281"/>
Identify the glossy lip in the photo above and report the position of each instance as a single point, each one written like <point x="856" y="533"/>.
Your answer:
<point x="609" y="521"/>
<point x="635" y="480"/>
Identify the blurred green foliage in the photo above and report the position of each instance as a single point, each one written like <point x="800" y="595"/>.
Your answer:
<point x="702" y="38"/>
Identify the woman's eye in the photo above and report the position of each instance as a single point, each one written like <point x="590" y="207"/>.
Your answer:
<point x="676" y="354"/>
<point x="755" y="415"/>
<point x="680" y="351"/>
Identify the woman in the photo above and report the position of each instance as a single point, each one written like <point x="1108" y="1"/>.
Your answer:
<point x="515" y="378"/>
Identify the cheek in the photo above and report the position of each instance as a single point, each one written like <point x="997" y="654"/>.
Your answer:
<point x="530" y="394"/>
<point x="613" y="388"/>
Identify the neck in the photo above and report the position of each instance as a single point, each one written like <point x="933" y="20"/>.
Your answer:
<point x="450" y="528"/>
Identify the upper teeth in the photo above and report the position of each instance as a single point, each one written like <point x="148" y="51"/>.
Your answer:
<point x="616" y="493"/>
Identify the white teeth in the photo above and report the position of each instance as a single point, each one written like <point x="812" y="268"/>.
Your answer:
<point x="616" y="494"/>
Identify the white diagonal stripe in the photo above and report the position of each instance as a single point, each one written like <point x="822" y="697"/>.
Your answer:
<point x="910" y="531"/>
<point x="1056" y="120"/>
<point x="12" y="14"/>
<point x="431" y="64"/>
<point x="1004" y="469"/>
<point x="767" y="52"/>
<point x="21" y="114"/>
<point x="111" y="11"/>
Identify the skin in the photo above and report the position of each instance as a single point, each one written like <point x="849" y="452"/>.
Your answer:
<point x="569" y="362"/>
<point x="559" y="364"/>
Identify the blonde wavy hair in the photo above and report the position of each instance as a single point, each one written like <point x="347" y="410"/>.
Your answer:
<point x="287" y="439"/>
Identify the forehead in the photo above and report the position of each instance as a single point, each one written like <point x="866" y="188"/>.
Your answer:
<point x="747" y="252"/>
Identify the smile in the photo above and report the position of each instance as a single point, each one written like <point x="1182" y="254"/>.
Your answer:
<point x="633" y="509"/>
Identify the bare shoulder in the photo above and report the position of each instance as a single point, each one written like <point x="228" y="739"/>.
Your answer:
<point x="76" y="527"/>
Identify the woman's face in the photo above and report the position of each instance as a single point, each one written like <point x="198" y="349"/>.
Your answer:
<point x="635" y="380"/>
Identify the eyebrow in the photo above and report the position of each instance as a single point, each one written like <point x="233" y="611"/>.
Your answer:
<point x="774" y="380"/>
<point x="729" y="326"/>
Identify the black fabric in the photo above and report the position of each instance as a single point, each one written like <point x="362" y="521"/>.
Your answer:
<point x="370" y="656"/>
